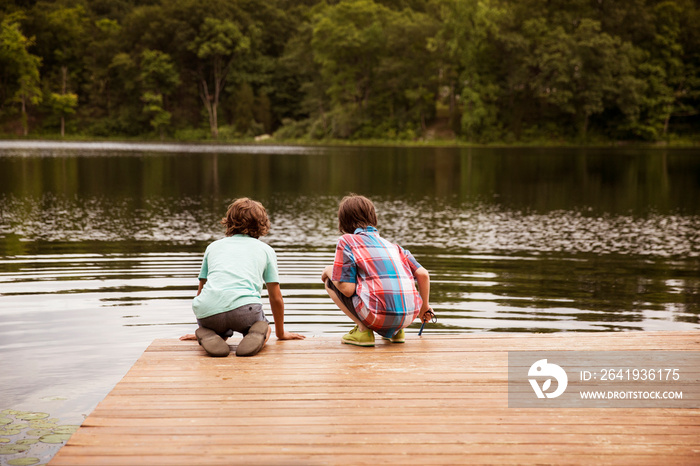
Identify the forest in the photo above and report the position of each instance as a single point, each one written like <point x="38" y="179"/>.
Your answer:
<point x="477" y="71"/>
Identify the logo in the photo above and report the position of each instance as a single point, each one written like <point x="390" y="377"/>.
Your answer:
<point x="542" y="368"/>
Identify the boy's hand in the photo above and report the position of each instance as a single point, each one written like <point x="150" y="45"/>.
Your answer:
<point x="426" y="313"/>
<point x="290" y="336"/>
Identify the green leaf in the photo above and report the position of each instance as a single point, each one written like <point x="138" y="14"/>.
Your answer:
<point x="28" y="461"/>
<point x="39" y="432"/>
<point x="27" y="441"/>
<point x="32" y="416"/>
<point x="66" y="429"/>
<point x="54" y="438"/>
<point x="13" y="449"/>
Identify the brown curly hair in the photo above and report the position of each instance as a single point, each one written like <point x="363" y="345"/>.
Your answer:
<point x="248" y="217"/>
<point x="354" y="212"/>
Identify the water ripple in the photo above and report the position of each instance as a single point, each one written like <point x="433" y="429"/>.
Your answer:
<point x="310" y="222"/>
<point x="486" y="228"/>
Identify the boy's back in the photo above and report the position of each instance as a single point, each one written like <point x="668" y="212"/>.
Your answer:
<point x="384" y="272"/>
<point x="236" y="268"/>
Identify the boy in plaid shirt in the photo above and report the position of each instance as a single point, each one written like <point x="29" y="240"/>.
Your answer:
<point x="372" y="280"/>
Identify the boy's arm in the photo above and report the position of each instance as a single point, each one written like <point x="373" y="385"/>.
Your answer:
<point x="192" y="336"/>
<point x="423" y="279"/>
<point x="202" y="281"/>
<point x="277" y="305"/>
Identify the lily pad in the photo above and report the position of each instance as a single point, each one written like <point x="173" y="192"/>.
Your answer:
<point x="27" y="441"/>
<point x="29" y="416"/>
<point x="54" y="438"/>
<point x="53" y="398"/>
<point x="5" y="420"/>
<point x="5" y="440"/>
<point x="41" y="425"/>
<point x="66" y="429"/>
<point x="8" y="411"/>
<point x="16" y="425"/>
<point x="39" y="432"/>
<point x="44" y="423"/>
<point x="12" y="449"/>
<point x="28" y="461"/>
<point x="10" y="431"/>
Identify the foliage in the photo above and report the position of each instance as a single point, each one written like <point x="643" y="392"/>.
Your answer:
<point x="63" y="104"/>
<point x="21" y="66"/>
<point x="158" y="78"/>
<point x="477" y="70"/>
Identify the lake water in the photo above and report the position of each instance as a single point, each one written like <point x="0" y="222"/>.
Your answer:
<point x="100" y="244"/>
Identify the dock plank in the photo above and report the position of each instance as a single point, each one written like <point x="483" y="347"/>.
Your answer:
<point x="441" y="399"/>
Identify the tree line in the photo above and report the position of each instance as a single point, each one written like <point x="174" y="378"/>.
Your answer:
<point x="476" y="70"/>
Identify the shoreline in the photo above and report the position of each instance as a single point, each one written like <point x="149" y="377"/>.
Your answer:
<point x="437" y="143"/>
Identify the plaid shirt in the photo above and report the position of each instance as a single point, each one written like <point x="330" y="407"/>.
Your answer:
<point x="386" y="298"/>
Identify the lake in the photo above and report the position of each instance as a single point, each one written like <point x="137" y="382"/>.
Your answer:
<point x="101" y="243"/>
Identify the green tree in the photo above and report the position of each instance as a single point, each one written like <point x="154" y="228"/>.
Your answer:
<point x="63" y="104"/>
<point x="158" y="78"/>
<point x="153" y="107"/>
<point x="104" y="96"/>
<point x="408" y="75"/>
<point x="370" y="69"/>
<point x="468" y="64"/>
<point x="348" y="41"/>
<point x="303" y="97"/>
<point x="62" y="35"/>
<point x="262" y="111"/>
<point x="558" y="69"/>
<point x="244" y="105"/>
<point x="217" y="45"/>
<point x="14" y="52"/>
<point x="669" y="76"/>
<point x="575" y="72"/>
<point x="158" y="72"/>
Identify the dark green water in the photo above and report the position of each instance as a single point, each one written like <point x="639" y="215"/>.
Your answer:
<point x="100" y="244"/>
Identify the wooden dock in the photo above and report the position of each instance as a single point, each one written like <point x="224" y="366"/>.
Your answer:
<point x="437" y="399"/>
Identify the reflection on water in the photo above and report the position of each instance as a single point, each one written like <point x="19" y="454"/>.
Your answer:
<point x="100" y="246"/>
<point x="309" y="222"/>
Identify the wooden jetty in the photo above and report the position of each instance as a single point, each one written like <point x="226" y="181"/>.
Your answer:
<point x="437" y="399"/>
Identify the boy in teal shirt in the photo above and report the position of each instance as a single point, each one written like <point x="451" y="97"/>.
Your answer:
<point x="234" y="270"/>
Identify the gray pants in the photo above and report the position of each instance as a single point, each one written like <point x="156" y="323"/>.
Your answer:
<point x="235" y="320"/>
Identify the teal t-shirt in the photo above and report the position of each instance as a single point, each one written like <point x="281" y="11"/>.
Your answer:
<point x="236" y="268"/>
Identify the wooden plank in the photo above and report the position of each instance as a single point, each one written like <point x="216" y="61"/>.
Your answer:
<point x="383" y="428"/>
<point x="237" y="446"/>
<point x="436" y="400"/>
<point x="206" y="458"/>
<point x="497" y="418"/>
<point x="167" y="440"/>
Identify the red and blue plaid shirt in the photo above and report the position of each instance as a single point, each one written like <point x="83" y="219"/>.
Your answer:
<point x="386" y="298"/>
